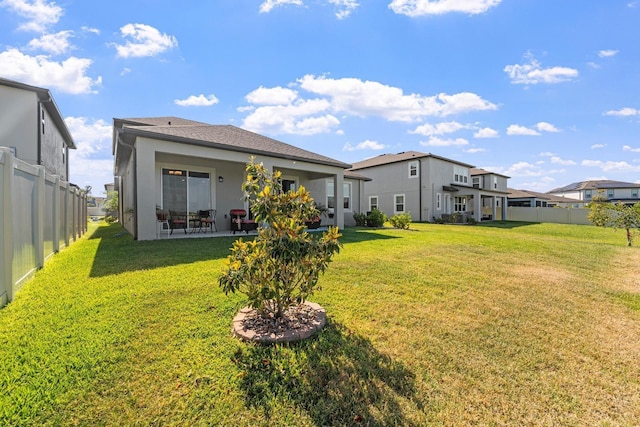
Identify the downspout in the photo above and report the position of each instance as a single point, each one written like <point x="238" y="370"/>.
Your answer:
<point x="420" y="188"/>
<point x="135" y="184"/>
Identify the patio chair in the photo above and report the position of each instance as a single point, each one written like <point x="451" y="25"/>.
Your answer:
<point x="162" y="222"/>
<point x="207" y="219"/>
<point x="238" y="223"/>
<point x="177" y="220"/>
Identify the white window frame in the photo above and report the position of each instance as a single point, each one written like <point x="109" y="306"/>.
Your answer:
<point x="413" y="167"/>
<point x="458" y="202"/>
<point x="346" y="194"/>
<point x="634" y="192"/>
<point x="588" y="194"/>
<point x="395" y="204"/>
<point x="371" y="205"/>
<point x="460" y="174"/>
<point x="611" y="193"/>
<point x="438" y="201"/>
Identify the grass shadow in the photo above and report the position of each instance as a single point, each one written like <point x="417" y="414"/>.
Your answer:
<point x="118" y="252"/>
<point x="336" y="378"/>
<point x="358" y="234"/>
<point x="505" y="224"/>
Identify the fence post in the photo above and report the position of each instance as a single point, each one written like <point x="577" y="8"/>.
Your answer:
<point x="39" y="217"/>
<point x="65" y="202"/>
<point x="6" y="228"/>
<point x="56" y="215"/>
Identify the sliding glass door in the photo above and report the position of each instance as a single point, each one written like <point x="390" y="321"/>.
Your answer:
<point x="185" y="190"/>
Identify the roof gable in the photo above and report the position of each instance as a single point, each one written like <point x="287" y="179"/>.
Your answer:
<point x="385" y="159"/>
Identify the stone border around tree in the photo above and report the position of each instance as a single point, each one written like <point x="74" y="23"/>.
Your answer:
<point x="291" y="335"/>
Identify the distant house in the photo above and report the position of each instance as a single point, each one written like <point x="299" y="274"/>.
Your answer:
<point x="613" y="191"/>
<point x="533" y="199"/>
<point x="430" y="187"/>
<point x="178" y="165"/>
<point x="33" y="128"/>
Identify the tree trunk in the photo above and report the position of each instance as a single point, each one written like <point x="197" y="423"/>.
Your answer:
<point x="629" y="237"/>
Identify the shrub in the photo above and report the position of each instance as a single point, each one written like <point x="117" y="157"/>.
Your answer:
<point x="109" y="219"/>
<point x="360" y="219"/>
<point x="376" y="218"/>
<point x="401" y="221"/>
<point x="282" y="265"/>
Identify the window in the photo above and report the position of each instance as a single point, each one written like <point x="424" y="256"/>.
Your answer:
<point x="460" y="174"/>
<point x="413" y="169"/>
<point x="398" y="203"/>
<point x="610" y="193"/>
<point x="185" y="191"/>
<point x="476" y="182"/>
<point x="373" y="203"/>
<point x="495" y="182"/>
<point x="346" y="194"/>
<point x="42" y="120"/>
<point x="587" y="194"/>
<point x="438" y="201"/>
<point x="634" y="192"/>
<point x="460" y="204"/>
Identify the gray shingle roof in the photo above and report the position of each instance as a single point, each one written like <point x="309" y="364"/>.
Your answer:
<point x="384" y="159"/>
<point x="594" y="185"/>
<point x="479" y="171"/>
<point x="226" y="137"/>
<point x="517" y="194"/>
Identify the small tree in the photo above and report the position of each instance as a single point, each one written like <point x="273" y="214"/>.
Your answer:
<point x="282" y="265"/>
<point x="617" y="216"/>
<point x="112" y="203"/>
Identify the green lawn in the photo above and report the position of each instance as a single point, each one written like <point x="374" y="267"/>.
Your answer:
<point x="499" y="324"/>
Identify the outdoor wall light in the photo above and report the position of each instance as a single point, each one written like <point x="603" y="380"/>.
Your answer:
<point x="220" y="179"/>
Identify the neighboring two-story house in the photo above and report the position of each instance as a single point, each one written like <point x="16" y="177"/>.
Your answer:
<point x="614" y="191"/>
<point x="33" y="128"/>
<point x="430" y="186"/>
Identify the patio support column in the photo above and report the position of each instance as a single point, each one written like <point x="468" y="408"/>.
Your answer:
<point x="338" y="187"/>
<point x="494" y="200"/>
<point x="504" y="209"/>
<point x="477" y="206"/>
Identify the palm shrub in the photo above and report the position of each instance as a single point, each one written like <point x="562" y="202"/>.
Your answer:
<point x="281" y="266"/>
<point x="401" y="221"/>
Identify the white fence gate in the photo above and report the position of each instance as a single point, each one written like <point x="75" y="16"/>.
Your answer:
<point x="39" y="214"/>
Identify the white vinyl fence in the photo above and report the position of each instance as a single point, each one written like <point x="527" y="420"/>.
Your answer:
<point x="39" y="214"/>
<point x="555" y="215"/>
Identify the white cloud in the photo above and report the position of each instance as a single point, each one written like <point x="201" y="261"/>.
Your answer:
<point x="67" y="76"/>
<point x="40" y="14"/>
<point x="415" y="8"/>
<point x="438" y="129"/>
<point x="596" y="146"/>
<point x="525" y="169"/>
<point x="546" y="127"/>
<point x="558" y="161"/>
<point x="300" y="118"/>
<point x="364" y="145"/>
<point x="125" y="71"/>
<point x="475" y="150"/>
<point x="629" y="148"/>
<point x="593" y="64"/>
<point x="521" y="130"/>
<point x="437" y="142"/>
<point x="197" y="101"/>
<point x="90" y="137"/>
<point x="345" y="7"/>
<point x="267" y="5"/>
<point x="624" y="112"/>
<point x="607" y="53"/>
<point x="486" y="133"/>
<point x="144" y="41"/>
<point x="272" y="96"/>
<point x="533" y="73"/>
<point x="90" y="30"/>
<point x="56" y="44"/>
<point x="611" y="166"/>
<point x="368" y="98"/>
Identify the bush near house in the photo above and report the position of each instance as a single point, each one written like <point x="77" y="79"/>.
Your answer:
<point x="401" y="221"/>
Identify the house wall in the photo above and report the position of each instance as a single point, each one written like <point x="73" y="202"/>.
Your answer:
<point x="55" y="154"/>
<point x="18" y="125"/>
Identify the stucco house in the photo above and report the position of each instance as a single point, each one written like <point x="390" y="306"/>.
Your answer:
<point x="430" y="187"/>
<point x="533" y="199"/>
<point x="174" y="164"/>
<point x="614" y="191"/>
<point x="33" y="128"/>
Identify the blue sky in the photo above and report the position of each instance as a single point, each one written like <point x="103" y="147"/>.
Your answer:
<point x="544" y="91"/>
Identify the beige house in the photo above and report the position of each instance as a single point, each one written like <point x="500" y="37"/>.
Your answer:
<point x="431" y="187"/>
<point x="33" y="128"/>
<point x="174" y="164"/>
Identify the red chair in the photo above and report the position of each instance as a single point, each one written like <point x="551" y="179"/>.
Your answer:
<point x="238" y="223"/>
<point x="177" y="220"/>
<point x="207" y="219"/>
